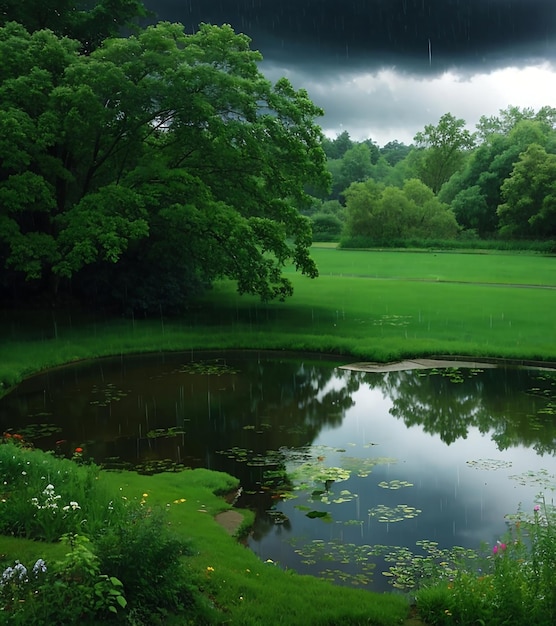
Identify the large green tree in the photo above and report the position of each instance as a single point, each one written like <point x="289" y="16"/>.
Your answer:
<point x="444" y="149"/>
<point x="152" y="166"/>
<point x="390" y="214"/>
<point x="529" y="194"/>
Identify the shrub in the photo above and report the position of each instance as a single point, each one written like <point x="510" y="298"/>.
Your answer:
<point x="516" y="585"/>
<point x="145" y="555"/>
<point x="70" y="591"/>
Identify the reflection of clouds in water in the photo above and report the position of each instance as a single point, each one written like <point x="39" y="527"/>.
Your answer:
<point x="459" y="500"/>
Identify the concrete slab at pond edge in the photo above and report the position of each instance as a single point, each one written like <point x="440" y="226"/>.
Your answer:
<point x="415" y="364"/>
<point x="454" y="362"/>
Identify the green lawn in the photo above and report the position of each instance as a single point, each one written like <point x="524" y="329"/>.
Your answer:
<point x="503" y="268"/>
<point x="343" y="312"/>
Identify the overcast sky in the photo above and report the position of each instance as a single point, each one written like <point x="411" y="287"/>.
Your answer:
<point x="385" y="68"/>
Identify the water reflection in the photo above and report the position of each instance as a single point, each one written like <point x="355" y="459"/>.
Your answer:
<point x="333" y="461"/>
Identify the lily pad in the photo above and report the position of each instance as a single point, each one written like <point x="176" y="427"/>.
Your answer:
<point x="541" y="477"/>
<point x="394" y="484"/>
<point x="277" y="516"/>
<point x="174" y="431"/>
<point x="36" y="431"/>
<point x="314" y="514"/>
<point x="489" y="464"/>
<point x="398" y="513"/>
<point x="362" y="467"/>
<point x="208" y="368"/>
<point x="316" y="473"/>
<point x="105" y="395"/>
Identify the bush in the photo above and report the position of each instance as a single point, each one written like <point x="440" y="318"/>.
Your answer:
<point x="464" y="242"/>
<point x="326" y="227"/>
<point x="70" y="591"/>
<point x="145" y="555"/>
<point x="515" y="586"/>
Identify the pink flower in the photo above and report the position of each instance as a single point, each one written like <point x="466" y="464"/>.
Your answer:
<point x="536" y="508"/>
<point x="495" y="550"/>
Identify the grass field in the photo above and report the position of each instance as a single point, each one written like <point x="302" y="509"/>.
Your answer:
<point x="376" y="306"/>
<point x="490" y="268"/>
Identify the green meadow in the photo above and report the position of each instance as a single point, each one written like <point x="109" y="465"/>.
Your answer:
<point x="376" y="306"/>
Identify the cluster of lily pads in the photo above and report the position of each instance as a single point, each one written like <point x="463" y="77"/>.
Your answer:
<point x="104" y="396"/>
<point x="453" y="374"/>
<point x="209" y="368"/>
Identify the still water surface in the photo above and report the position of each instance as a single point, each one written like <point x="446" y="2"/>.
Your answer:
<point x="333" y="460"/>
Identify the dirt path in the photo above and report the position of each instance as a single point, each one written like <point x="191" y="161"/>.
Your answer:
<point x="230" y="520"/>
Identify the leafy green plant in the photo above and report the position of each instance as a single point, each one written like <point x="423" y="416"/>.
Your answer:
<point x="44" y="497"/>
<point x="70" y="591"/>
<point x="147" y="557"/>
<point x="515" y="585"/>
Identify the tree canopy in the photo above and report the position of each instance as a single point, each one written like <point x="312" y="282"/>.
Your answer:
<point x="151" y="167"/>
<point x="390" y="214"/>
<point x="88" y="21"/>
<point x="444" y="147"/>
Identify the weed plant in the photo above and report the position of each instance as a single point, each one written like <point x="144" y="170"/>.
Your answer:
<point x="512" y="586"/>
<point x="121" y="563"/>
<point x="44" y="497"/>
<point x="148" y="557"/>
<point x="68" y="591"/>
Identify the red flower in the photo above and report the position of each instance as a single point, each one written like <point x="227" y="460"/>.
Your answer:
<point x="18" y="437"/>
<point x="7" y="435"/>
<point x="78" y="450"/>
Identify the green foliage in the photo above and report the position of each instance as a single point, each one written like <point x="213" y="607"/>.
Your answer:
<point x="104" y="177"/>
<point x="326" y="227"/>
<point x="444" y="147"/>
<point x="394" y="152"/>
<point x="69" y="591"/>
<point x="513" y="586"/>
<point x="90" y="22"/>
<point x="146" y="556"/>
<point x="45" y="497"/>
<point x="475" y="192"/>
<point x="337" y="147"/>
<point x="529" y="194"/>
<point x="390" y="213"/>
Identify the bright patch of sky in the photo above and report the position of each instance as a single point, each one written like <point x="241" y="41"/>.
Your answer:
<point x="389" y="105"/>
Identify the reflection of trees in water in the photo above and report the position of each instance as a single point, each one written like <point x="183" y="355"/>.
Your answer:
<point x="289" y="402"/>
<point x="513" y="404"/>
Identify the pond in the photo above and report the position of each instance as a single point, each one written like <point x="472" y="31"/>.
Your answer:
<point x="343" y="467"/>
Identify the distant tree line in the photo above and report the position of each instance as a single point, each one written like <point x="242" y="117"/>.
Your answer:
<point x="496" y="183"/>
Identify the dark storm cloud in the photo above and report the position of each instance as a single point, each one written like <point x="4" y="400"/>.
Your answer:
<point x="416" y="36"/>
